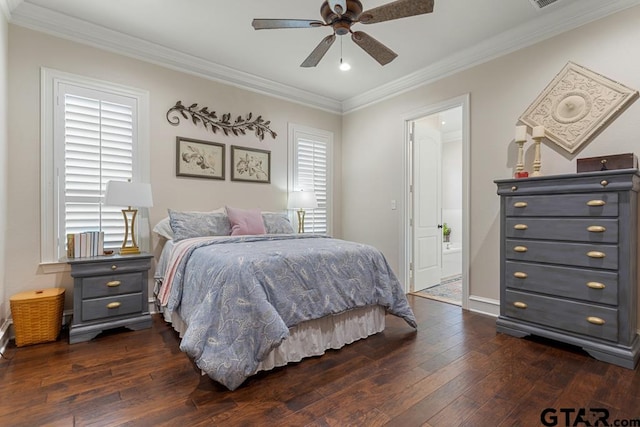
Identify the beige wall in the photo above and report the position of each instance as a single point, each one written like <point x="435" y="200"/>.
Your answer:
<point x="4" y="173"/>
<point x="30" y="50"/>
<point x="500" y="90"/>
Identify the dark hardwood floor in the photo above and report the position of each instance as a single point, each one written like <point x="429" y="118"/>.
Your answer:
<point x="454" y="371"/>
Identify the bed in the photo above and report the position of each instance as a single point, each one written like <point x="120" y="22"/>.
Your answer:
<point x="251" y="302"/>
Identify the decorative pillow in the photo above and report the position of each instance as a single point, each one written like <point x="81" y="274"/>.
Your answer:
<point x="163" y="229"/>
<point x="245" y="221"/>
<point x="277" y="223"/>
<point x="186" y="225"/>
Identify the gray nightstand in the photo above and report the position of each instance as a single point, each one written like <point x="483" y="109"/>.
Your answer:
<point x="109" y="292"/>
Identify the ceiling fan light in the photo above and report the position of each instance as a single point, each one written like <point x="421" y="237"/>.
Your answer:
<point x="344" y="66"/>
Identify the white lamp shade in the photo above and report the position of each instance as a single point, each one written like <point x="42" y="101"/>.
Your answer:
<point x="302" y="200"/>
<point x="121" y="193"/>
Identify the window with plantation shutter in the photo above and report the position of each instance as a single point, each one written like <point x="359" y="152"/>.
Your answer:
<point x="310" y="166"/>
<point x="98" y="147"/>
<point x="91" y="135"/>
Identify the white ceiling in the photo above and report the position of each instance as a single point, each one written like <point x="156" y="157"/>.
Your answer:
<point x="215" y="39"/>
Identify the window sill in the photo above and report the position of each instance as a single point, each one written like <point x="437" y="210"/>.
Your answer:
<point x="54" y="267"/>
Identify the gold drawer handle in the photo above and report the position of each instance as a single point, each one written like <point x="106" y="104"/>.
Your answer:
<point x="596" y="203"/>
<point x="520" y="248"/>
<point x="114" y="283"/>
<point x="520" y="275"/>
<point x="596" y="229"/>
<point x="521" y="226"/>
<point x="114" y="267"/>
<point x="596" y="285"/>
<point x="519" y="304"/>
<point x="604" y="182"/>
<point x="520" y="204"/>
<point x="595" y="320"/>
<point x="596" y="254"/>
<point x="113" y="305"/>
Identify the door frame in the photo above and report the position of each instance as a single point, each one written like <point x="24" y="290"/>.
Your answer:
<point x="406" y="242"/>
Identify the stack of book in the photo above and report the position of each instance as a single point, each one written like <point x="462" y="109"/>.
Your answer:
<point x="86" y="244"/>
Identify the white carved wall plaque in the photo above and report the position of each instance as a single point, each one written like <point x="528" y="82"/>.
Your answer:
<point x="577" y="105"/>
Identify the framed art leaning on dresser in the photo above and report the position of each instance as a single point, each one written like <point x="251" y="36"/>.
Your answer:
<point x="568" y="261"/>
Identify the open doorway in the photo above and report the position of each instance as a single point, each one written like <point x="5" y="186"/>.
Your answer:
<point x="437" y="218"/>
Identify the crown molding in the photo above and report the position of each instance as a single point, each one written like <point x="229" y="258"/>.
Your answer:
<point x="44" y="20"/>
<point x="542" y="28"/>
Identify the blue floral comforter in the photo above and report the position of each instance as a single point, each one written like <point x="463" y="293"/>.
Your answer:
<point x="239" y="295"/>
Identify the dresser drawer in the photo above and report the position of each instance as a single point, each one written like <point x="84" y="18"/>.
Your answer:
<point x="569" y="205"/>
<point x="571" y="254"/>
<point x="599" y="286"/>
<point x="597" y="230"/>
<point x="101" y="308"/>
<point x="84" y="267"/>
<point x="102" y="286"/>
<point x="595" y="321"/>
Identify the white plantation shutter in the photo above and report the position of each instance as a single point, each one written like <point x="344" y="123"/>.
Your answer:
<point x="311" y="169"/>
<point x="99" y="138"/>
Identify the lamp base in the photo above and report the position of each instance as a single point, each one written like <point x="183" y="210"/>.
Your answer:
<point x="301" y="221"/>
<point x="129" y="250"/>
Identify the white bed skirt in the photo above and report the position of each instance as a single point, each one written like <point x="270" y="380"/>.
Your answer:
<point x="314" y="337"/>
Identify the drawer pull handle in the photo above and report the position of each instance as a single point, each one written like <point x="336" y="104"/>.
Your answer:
<point x="514" y="188"/>
<point x="596" y="203"/>
<point x="596" y="229"/>
<point x="520" y="275"/>
<point x="521" y="226"/>
<point x="520" y="204"/>
<point x="595" y="320"/>
<point x="520" y="248"/>
<point x="596" y="254"/>
<point x="114" y="267"/>
<point x="596" y="285"/>
<point x="113" y="304"/>
<point x="114" y="283"/>
<point x="604" y="182"/>
<point x="519" y="304"/>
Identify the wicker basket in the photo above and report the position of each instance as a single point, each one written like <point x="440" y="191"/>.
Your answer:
<point x="37" y="315"/>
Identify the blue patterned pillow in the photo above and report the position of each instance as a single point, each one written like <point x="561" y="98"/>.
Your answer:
<point x="277" y="223"/>
<point x="186" y="225"/>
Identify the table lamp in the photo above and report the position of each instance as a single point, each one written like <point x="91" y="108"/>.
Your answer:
<point x="302" y="200"/>
<point x="122" y="193"/>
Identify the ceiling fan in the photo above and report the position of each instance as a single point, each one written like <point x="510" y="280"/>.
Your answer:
<point x="341" y="15"/>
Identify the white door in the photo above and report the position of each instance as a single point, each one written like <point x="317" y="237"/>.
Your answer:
<point x="427" y="200"/>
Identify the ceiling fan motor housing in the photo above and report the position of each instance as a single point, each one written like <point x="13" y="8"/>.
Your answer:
<point x="341" y="23"/>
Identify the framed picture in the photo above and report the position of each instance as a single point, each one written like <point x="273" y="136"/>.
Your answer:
<point x="199" y="159"/>
<point x="250" y="164"/>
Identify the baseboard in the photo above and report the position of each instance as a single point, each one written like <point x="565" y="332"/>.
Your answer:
<point x="482" y="305"/>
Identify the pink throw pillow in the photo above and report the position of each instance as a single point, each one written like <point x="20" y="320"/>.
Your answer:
<point x="245" y="221"/>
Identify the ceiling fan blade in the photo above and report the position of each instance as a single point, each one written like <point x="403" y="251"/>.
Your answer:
<point x="373" y="47"/>
<point x="317" y="54"/>
<point x="338" y="6"/>
<point x="270" y="24"/>
<point x="396" y="10"/>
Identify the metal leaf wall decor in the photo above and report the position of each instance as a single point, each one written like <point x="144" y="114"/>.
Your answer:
<point x="210" y="120"/>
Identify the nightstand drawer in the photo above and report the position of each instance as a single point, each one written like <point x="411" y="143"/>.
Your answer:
<point x="596" y="230"/>
<point x="597" y="286"/>
<point x="571" y="254"/>
<point x="101" y="308"/>
<point x="102" y="286"/>
<point x="84" y="267"/>
<point x="595" y="321"/>
<point x="568" y="205"/>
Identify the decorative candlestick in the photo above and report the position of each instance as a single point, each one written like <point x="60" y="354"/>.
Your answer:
<point x="520" y="139"/>
<point x="537" y="135"/>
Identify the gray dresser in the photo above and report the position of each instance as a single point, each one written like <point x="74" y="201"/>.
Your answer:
<point x="568" y="261"/>
<point x="109" y="292"/>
